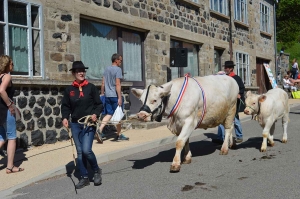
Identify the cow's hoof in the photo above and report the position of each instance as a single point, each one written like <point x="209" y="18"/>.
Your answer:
<point x="174" y="169"/>
<point x="272" y="144"/>
<point x="187" y="161"/>
<point x="263" y="150"/>
<point x="223" y="152"/>
<point x="284" y="141"/>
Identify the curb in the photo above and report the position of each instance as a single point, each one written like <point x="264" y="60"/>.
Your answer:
<point x="8" y="193"/>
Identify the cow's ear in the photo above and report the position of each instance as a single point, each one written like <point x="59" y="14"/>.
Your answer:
<point x="248" y="93"/>
<point x="262" y="98"/>
<point x="165" y="89"/>
<point x="137" y="92"/>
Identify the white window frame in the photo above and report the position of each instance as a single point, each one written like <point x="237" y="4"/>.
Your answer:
<point x="195" y="1"/>
<point x="264" y="18"/>
<point x="29" y="35"/>
<point x="223" y="5"/>
<point x="240" y="14"/>
<point x="245" y="77"/>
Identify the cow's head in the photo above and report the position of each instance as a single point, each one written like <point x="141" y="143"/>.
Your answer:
<point x="154" y="99"/>
<point x="252" y="102"/>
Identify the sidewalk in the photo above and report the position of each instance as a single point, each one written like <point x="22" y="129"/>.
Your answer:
<point x="51" y="159"/>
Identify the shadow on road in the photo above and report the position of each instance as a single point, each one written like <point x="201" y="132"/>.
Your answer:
<point x="198" y="148"/>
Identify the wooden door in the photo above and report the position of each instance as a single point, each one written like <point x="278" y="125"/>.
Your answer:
<point x="262" y="78"/>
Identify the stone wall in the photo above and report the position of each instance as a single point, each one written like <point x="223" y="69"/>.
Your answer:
<point x="41" y="121"/>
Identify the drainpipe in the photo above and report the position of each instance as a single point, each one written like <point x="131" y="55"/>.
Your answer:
<point x="275" y="43"/>
<point x="230" y="32"/>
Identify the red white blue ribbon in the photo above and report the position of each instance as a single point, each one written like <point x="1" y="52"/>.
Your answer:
<point x="183" y="88"/>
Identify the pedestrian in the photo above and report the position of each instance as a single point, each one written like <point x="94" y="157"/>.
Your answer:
<point x="228" y="67"/>
<point x="295" y="69"/>
<point x="7" y="120"/>
<point x="82" y="99"/>
<point x="111" y="88"/>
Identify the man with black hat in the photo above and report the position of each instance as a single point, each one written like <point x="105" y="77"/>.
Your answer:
<point x="82" y="99"/>
<point x="228" y="68"/>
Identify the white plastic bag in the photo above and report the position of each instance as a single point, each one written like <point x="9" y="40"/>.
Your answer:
<point x="118" y="115"/>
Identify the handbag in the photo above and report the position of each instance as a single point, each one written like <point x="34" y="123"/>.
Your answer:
<point x="296" y="94"/>
<point x="117" y="116"/>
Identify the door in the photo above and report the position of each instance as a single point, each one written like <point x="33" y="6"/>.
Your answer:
<point x="262" y="78"/>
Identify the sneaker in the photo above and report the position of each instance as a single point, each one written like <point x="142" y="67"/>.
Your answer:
<point x="239" y="140"/>
<point x="121" y="137"/>
<point x="99" y="137"/>
<point x="97" y="177"/>
<point x="217" y="141"/>
<point x="82" y="183"/>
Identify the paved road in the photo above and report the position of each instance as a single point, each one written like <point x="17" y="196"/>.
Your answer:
<point x="243" y="173"/>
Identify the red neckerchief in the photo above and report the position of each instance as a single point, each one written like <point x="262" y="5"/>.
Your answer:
<point x="84" y="83"/>
<point x="231" y="74"/>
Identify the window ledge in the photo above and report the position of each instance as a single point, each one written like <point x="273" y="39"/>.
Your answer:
<point x="239" y="23"/>
<point x="41" y="82"/>
<point x="219" y="14"/>
<point x="265" y="34"/>
<point x="190" y="3"/>
<point x="251" y="88"/>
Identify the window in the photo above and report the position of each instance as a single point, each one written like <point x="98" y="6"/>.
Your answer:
<point x="21" y="36"/>
<point x="240" y="11"/>
<point x="99" y="41"/>
<point x="195" y="1"/>
<point x="219" y="6"/>
<point x="264" y="18"/>
<point x="192" y="67"/>
<point x="242" y="67"/>
<point x="218" y="60"/>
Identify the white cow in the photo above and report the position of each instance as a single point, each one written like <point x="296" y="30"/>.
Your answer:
<point x="221" y="97"/>
<point x="267" y="108"/>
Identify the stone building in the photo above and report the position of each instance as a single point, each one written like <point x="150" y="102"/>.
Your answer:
<point x="44" y="37"/>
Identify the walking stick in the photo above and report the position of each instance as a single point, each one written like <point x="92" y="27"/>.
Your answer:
<point x="72" y="145"/>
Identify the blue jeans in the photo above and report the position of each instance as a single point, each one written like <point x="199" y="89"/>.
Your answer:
<point x="83" y="139"/>
<point x="9" y="129"/>
<point x="237" y="128"/>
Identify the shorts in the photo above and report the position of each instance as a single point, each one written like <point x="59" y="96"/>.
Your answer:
<point x="111" y="104"/>
<point x="9" y="129"/>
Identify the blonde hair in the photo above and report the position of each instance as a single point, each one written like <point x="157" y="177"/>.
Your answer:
<point x="294" y="60"/>
<point x="5" y="61"/>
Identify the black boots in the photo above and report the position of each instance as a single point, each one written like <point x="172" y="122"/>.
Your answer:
<point x="97" y="177"/>
<point x="82" y="183"/>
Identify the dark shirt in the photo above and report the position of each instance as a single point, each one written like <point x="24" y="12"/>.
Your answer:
<point x="240" y="105"/>
<point x="77" y="107"/>
<point x="3" y="107"/>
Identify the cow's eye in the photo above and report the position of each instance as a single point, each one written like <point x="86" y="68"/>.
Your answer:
<point x="154" y="101"/>
<point x="253" y="103"/>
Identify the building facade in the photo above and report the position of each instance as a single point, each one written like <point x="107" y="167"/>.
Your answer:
<point x="44" y="37"/>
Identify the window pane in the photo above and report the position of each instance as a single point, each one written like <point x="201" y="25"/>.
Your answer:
<point x="132" y="56"/>
<point x="18" y="49"/>
<point x="2" y="44"/>
<point x="17" y="13"/>
<point x="36" y="53"/>
<point x="35" y="16"/>
<point x="217" y="60"/>
<point x="98" y="43"/>
<point x="192" y="67"/>
<point x="174" y="70"/>
<point x="1" y="10"/>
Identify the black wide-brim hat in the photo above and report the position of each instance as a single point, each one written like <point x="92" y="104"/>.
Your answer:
<point x="229" y="64"/>
<point x="78" y="65"/>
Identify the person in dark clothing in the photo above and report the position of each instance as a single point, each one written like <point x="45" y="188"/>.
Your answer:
<point x="79" y="100"/>
<point x="8" y="129"/>
<point x="228" y="67"/>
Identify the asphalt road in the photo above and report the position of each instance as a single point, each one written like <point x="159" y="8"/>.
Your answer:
<point x="244" y="173"/>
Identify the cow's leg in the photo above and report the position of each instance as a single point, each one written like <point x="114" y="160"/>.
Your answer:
<point x="285" y="121"/>
<point x="265" y="134"/>
<point x="271" y="135"/>
<point x="228" y="137"/>
<point x="184" y="135"/>
<point x="187" y="158"/>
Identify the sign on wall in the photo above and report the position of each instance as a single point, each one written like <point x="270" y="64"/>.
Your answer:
<point x="271" y="76"/>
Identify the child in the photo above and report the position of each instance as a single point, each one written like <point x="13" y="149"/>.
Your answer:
<point x="287" y="84"/>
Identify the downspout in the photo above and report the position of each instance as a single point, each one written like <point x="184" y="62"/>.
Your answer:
<point x="275" y="42"/>
<point x="230" y="32"/>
